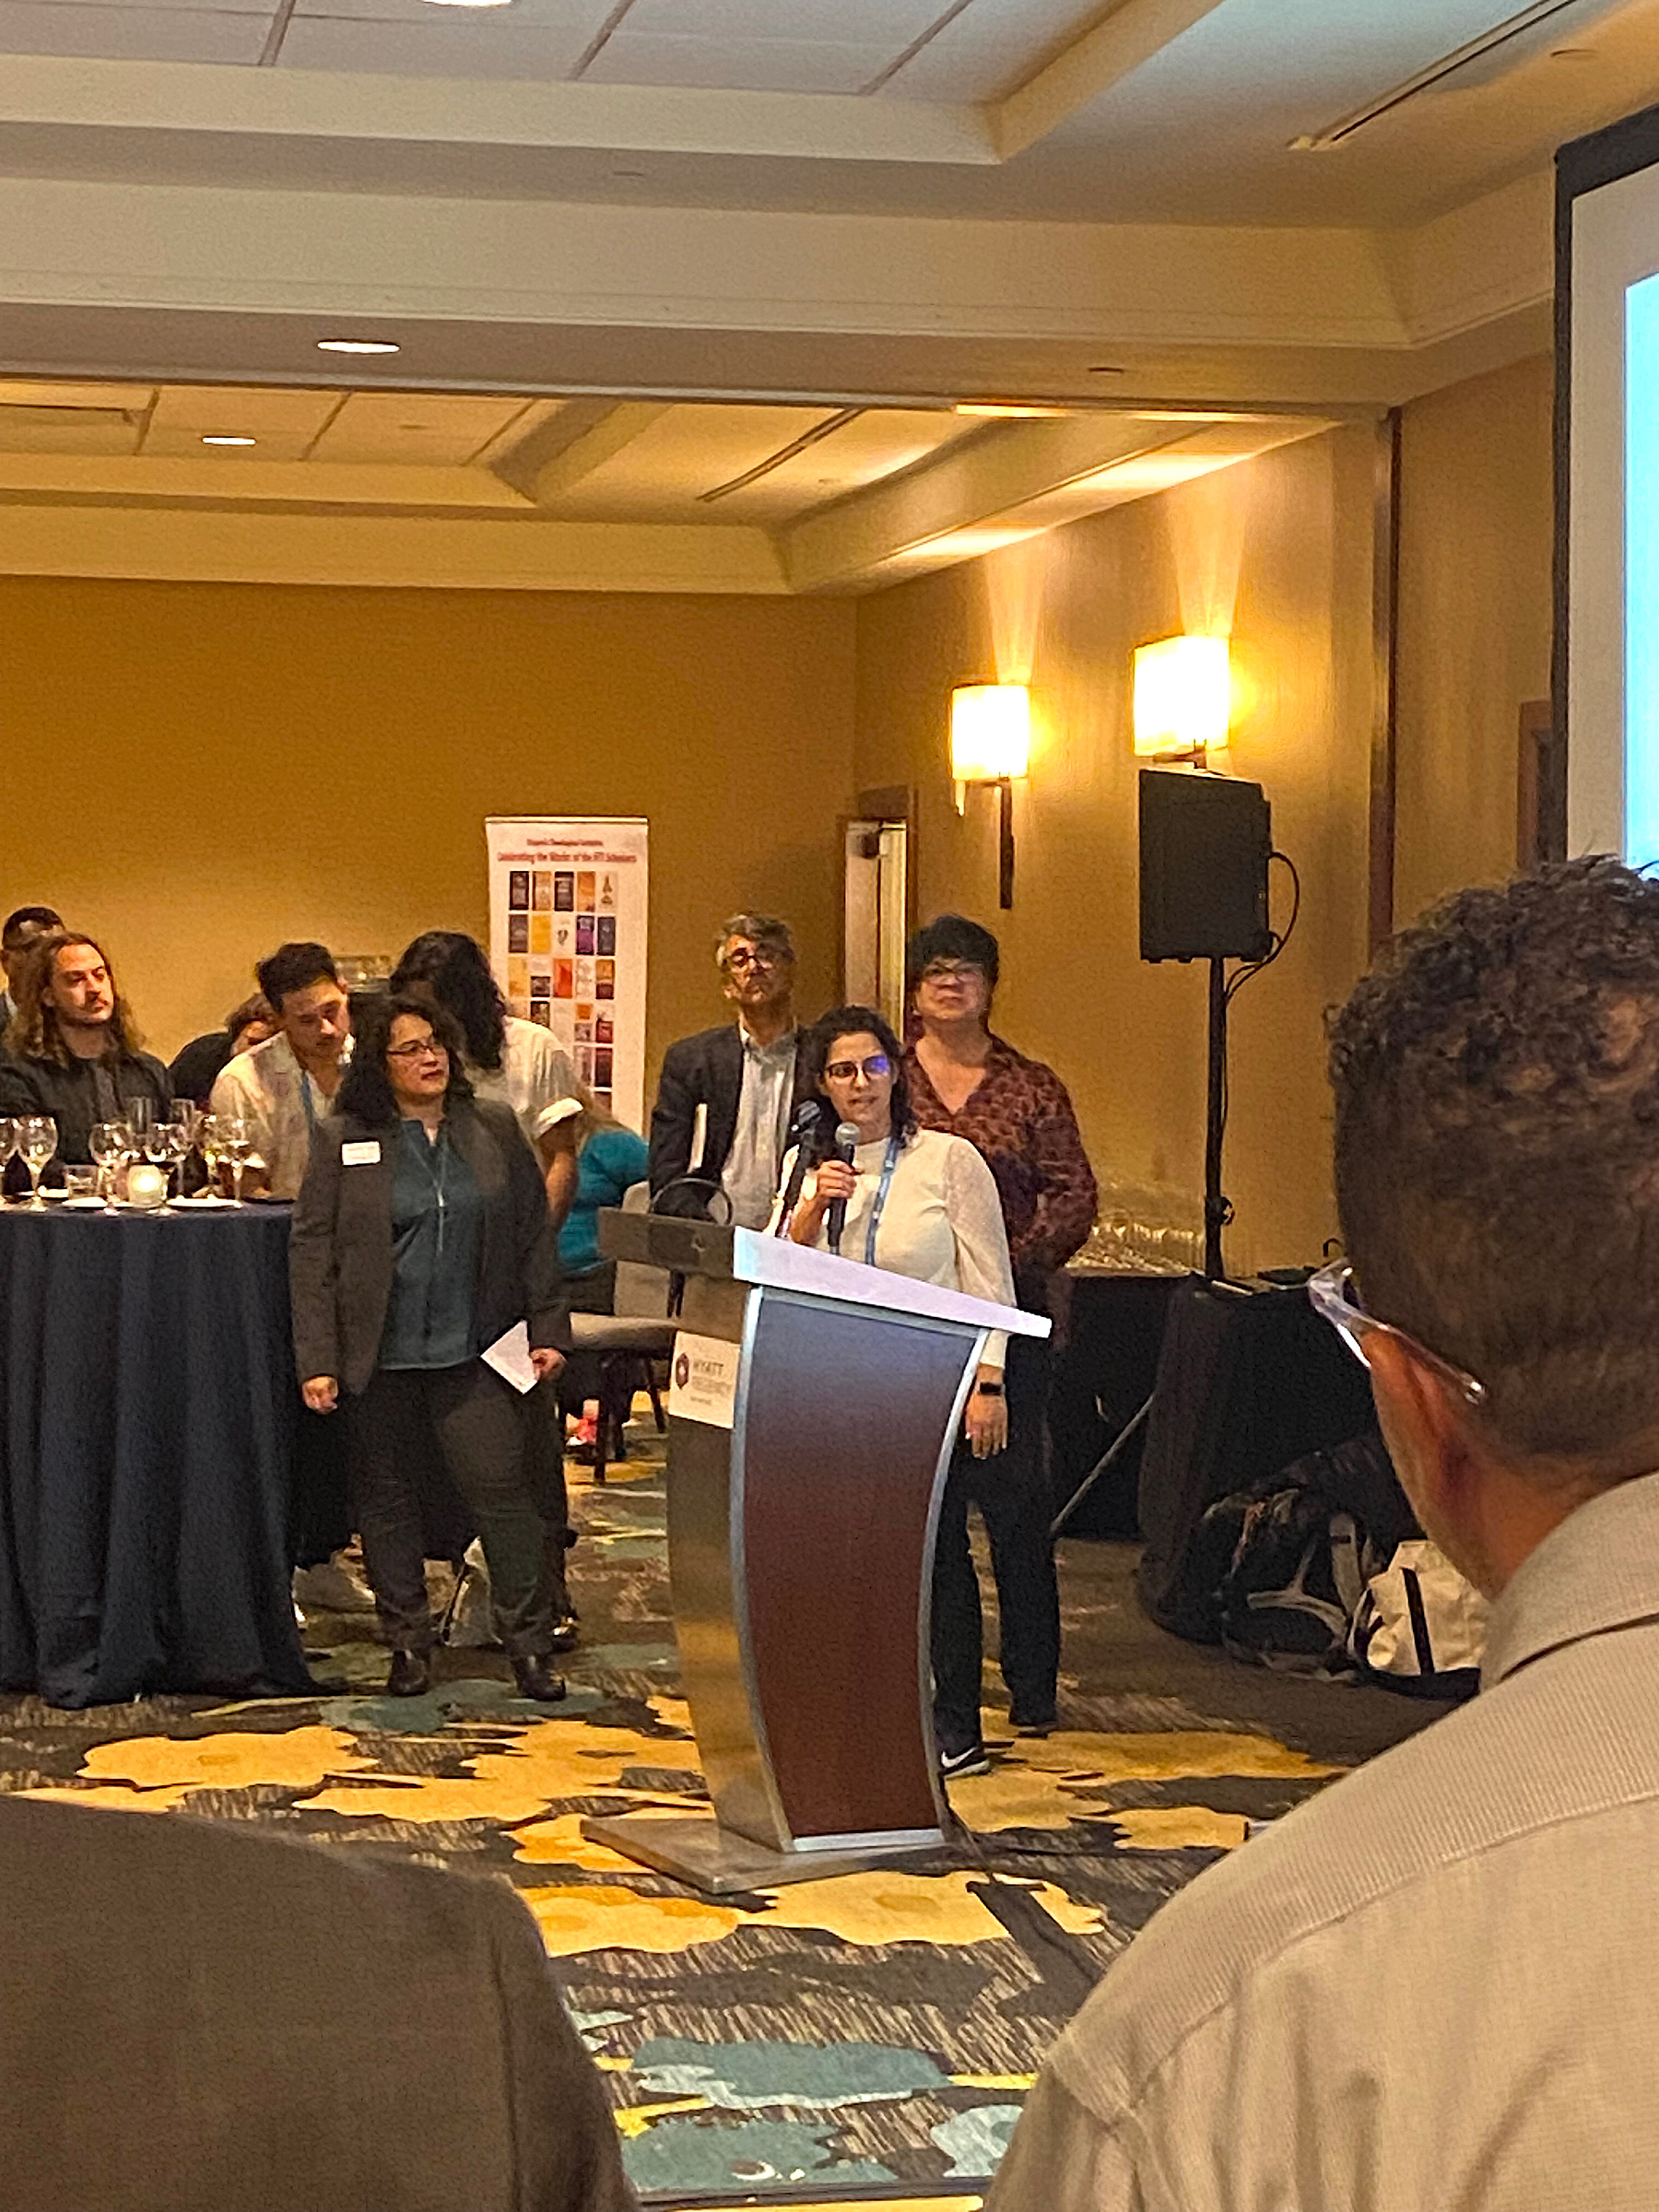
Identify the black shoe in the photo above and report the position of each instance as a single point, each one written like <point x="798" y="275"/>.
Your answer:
<point x="1033" y="1723"/>
<point x="972" y="1758"/>
<point x="566" y="1634"/>
<point x="536" y="1678"/>
<point x="410" y="1676"/>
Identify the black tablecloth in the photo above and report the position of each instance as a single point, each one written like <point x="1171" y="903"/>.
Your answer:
<point x="148" y="1412"/>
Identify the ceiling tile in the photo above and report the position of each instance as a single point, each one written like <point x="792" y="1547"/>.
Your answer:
<point x="129" y="34"/>
<point x="586" y="16"/>
<point x="889" y="23"/>
<point x="480" y="47"/>
<point x="20" y="391"/>
<point x="282" y="424"/>
<point x="986" y="51"/>
<point x="442" y="429"/>
<point x="741" y="65"/>
<point x="45" y="428"/>
<point x="264" y="8"/>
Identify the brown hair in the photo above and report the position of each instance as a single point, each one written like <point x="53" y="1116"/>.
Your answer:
<point x="34" y="1033"/>
<point x="1497" y="1085"/>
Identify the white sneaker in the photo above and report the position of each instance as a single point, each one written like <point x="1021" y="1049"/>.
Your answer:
<point x="333" y="1587"/>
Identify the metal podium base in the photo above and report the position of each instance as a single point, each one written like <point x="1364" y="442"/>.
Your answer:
<point x="694" y="1848"/>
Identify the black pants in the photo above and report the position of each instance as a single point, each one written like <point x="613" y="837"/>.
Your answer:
<point x="1012" y="1492"/>
<point x="321" y="1512"/>
<point x="480" y="1429"/>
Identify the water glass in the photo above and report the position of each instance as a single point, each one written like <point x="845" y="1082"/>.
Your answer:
<point x="107" y="1143"/>
<point x="37" y="1141"/>
<point x="80" y="1182"/>
<point x="235" y="1143"/>
<point x="9" y="1147"/>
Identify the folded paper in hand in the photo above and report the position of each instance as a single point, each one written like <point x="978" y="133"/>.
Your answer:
<point x="509" y="1356"/>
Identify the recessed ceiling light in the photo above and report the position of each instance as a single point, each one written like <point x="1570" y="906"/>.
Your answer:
<point x="217" y="439"/>
<point x="471" y="3"/>
<point x="356" y="345"/>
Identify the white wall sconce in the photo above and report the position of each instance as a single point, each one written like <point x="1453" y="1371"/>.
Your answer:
<point x="991" y="743"/>
<point x="1182" y="697"/>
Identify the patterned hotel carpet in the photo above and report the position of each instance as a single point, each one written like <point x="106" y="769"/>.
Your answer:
<point x="846" y="2034"/>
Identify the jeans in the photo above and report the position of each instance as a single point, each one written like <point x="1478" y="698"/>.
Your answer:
<point x="479" y="1426"/>
<point x="1012" y="1492"/>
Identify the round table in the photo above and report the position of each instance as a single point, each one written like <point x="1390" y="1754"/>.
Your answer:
<point x="148" y="1418"/>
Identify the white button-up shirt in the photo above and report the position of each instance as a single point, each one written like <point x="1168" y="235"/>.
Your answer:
<point x="281" y="1105"/>
<point x="750" y="1178"/>
<point x="1436" y="1986"/>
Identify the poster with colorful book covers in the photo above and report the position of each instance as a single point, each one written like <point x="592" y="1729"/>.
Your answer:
<point x="566" y="942"/>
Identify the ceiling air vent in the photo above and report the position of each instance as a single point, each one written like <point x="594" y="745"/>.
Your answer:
<point x="1500" y="40"/>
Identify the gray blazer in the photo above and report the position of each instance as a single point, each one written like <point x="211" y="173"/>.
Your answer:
<point x="170" y="2040"/>
<point x="340" y="1248"/>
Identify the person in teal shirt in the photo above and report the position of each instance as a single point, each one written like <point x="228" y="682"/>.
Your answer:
<point x="610" y="1159"/>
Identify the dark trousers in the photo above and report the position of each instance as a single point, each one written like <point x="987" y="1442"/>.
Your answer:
<point x="479" y="1426"/>
<point x="322" y="1514"/>
<point x="1012" y="1493"/>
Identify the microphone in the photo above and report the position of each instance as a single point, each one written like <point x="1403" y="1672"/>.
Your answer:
<point x="806" y="1118"/>
<point x="846" y="1140"/>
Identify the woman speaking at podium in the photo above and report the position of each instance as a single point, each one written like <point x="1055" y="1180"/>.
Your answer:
<point x="923" y="1203"/>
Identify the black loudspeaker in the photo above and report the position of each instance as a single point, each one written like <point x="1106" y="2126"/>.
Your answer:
<point x="1203" y="846"/>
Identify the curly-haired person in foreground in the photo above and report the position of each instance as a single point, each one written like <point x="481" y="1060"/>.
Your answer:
<point x="1437" y="1984"/>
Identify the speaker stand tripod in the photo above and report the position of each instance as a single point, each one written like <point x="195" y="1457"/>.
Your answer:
<point x="1217" y="1213"/>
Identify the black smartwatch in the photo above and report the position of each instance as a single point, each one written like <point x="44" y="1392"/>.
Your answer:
<point x="989" y="1390"/>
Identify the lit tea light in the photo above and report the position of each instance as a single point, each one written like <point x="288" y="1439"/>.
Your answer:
<point x="146" y="1185"/>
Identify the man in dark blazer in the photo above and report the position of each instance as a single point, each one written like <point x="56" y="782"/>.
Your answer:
<point x="175" y="2034"/>
<point x="726" y="1096"/>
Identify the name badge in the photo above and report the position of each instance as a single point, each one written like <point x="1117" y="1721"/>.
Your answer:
<point x="366" y="1155"/>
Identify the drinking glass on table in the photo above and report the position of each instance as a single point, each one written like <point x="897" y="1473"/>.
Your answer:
<point x="9" y="1147"/>
<point x="209" y="1144"/>
<point x="165" y="1146"/>
<point x="37" y="1136"/>
<point x="188" y="1115"/>
<point x="235" y="1143"/>
<point x="140" y="1118"/>
<point x="108" y="1143"/>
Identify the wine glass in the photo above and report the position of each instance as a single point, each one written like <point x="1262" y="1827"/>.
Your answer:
<point x="165" y="1146"/>
<point x="235" y="1143"/>
<point x="210" y="1146"/>
<point x="37" y="1142"/>
<point x="8" y="1145"/>
<point x="188" y="1115"/>
<point x="108" y="1144"/>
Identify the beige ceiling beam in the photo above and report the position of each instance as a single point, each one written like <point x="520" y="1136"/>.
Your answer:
<point x="964" y="488"/>
<point x="559" y="455"/>
<point x="1125" y="42"/>
<point x="1021" y="479"/>
<point x="104" y="107"/>
<point x="248" y="481"/>
<point x="221" y="545"/>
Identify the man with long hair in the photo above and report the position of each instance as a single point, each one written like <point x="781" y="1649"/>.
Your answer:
<point x="71" y="1051"/>
<point x="19" y="930"/>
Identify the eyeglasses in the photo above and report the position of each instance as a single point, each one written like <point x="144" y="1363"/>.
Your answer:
<point x="952" y="971"/>
<point x="743" y="958"/>
<point x="419" y="1050"/>
<point x="1335" y="1299"/>
<point x="876" y="1066"/>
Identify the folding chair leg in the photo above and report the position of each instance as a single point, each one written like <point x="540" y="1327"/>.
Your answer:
<point x="655" y="1396"/>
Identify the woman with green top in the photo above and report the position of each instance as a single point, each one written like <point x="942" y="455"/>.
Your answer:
<point x="421" y="1238"/>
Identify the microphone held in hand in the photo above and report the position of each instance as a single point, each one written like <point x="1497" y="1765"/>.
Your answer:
<point x="846" y="1144"/>
<point x="802" y="1132"/>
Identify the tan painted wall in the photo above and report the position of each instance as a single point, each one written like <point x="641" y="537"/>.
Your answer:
<point x="199" y="771"/>
<point x="1280" y="549"/>
<point x="1476" y="515"/>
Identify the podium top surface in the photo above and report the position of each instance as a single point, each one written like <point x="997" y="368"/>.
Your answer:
<point x="777" y="1264"/>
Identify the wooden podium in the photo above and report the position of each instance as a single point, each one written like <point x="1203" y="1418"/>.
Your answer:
<point x="813" y="1410"/>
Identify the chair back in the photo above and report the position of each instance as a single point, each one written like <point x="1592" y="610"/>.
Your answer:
<point x="641" y="1292"/>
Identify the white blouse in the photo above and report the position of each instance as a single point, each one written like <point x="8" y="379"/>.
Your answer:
<point x="942" y="1222"/>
